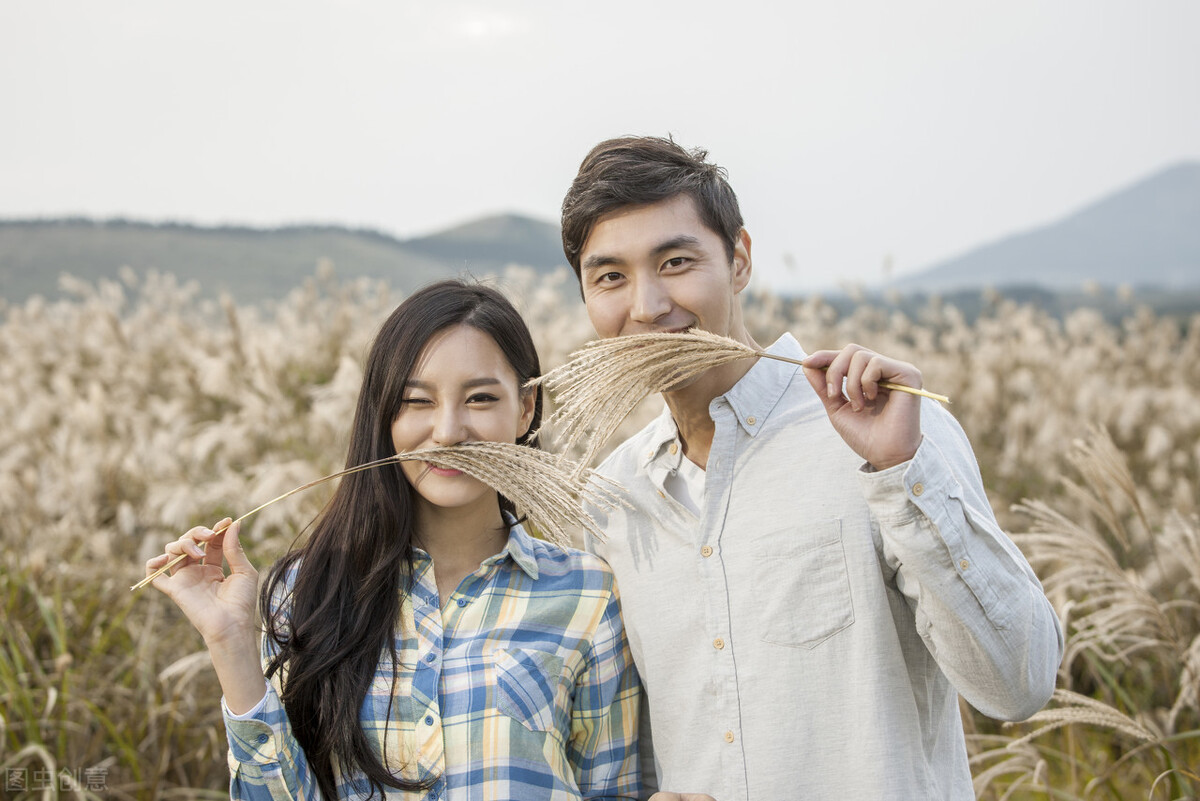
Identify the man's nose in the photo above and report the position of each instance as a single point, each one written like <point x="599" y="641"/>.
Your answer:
<point x="650" y="300"/>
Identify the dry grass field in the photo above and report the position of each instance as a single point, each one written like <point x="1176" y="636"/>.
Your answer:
<point x="138" y="409"/>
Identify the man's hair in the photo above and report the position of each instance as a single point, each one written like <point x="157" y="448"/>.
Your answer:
<point x="638" y="170"/>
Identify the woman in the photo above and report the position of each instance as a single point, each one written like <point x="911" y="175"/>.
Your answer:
<point x="421" y="640"/>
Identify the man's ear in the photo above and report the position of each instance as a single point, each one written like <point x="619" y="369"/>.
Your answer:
<point x="741" y="261"/>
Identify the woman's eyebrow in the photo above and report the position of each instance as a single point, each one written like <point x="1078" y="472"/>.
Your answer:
<point x="471" y="383"/>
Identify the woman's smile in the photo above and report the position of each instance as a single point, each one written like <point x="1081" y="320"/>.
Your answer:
<point x="448" y="472"/>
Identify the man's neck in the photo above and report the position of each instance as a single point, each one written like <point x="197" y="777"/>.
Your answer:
<point x="689" y="406"/>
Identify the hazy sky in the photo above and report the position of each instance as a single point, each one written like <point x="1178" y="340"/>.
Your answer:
<point x="854" y="132"/>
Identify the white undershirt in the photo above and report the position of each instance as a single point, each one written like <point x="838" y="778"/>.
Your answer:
<point x="250" y="712"/>
<point x="686" y="484"/>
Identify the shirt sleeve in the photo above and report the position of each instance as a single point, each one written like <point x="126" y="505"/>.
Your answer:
<point x="979" y="607"/>
<point x="265" y="760"/>
<point x="248" y="714"/>
<point x="603" y="749"/>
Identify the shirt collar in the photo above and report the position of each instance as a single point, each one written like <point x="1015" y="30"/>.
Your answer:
<point x="662" y="436"/>
<point x="752" y="399"/>
<point x="755" y="396"/>
<point x="521" y="548"/>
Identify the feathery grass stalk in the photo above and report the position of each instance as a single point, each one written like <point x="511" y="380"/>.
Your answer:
<point x="1076" y="708"/>
<point x="540" y="484"/>
<point x="607" y="378"/>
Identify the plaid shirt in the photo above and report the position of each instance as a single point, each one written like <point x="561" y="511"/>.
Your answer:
<point x="521" y="686"/>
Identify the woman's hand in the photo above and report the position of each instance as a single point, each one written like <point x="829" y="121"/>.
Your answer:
<point x="220" y="606"/>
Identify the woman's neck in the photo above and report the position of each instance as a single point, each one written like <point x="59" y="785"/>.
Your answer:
<point x="458" y="540"/>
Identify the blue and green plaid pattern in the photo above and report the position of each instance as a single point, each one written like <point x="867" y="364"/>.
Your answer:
<point x="520" y="686"/>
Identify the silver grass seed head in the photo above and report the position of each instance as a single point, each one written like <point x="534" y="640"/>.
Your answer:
<point x="603" y="381"/>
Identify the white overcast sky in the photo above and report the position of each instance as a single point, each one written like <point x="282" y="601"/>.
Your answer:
<point x="854" y="132"/>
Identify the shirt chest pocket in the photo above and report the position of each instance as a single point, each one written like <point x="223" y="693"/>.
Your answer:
<point x="527" y="685"/>
<point x="810" y="599"/>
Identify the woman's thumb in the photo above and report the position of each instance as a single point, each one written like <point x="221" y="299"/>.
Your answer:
<point x="232" y="549"/>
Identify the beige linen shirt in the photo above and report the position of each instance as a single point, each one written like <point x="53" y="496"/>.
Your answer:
<point x="806" y="637"/>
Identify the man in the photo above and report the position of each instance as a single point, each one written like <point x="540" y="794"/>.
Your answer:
<point x="810" y="571"/>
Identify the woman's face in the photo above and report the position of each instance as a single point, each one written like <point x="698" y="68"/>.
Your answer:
<point x="462" y="389"/>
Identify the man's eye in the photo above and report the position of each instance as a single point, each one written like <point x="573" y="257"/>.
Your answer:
<point x="610" y="277"/>
<point x="678" y="261"/>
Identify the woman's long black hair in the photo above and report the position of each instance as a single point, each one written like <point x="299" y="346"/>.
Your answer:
<point x="356" y="568"/>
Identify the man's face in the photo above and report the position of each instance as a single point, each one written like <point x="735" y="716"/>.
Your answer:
<point x="658" y="268"/>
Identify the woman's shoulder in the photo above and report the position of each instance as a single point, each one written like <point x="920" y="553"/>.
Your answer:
<point x="565" y="563"/>
<point x="576" y="558"/>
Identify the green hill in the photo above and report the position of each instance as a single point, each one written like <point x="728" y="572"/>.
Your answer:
<point x="254" y="264"/>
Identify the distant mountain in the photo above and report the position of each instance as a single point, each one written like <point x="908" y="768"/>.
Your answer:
<point x="256" y="263"/>
<point x="497" y="242"/>
<point x="1147" y="235"/>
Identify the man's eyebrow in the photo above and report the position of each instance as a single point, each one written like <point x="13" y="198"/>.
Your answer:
<point x="675" y="242"/>
<point x="680" y="241"/>
<point x="599" y="260"/>
<point x="485" y="381"/>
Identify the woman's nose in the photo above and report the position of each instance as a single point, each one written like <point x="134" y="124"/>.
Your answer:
<point x="449" y="427"/>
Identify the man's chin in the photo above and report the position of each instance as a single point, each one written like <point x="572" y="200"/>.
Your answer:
<point x="682" y="385"/>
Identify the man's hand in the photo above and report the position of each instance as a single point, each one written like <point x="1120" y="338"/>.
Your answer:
<point x="882" y="427"/>
<point x="681" y="797"/>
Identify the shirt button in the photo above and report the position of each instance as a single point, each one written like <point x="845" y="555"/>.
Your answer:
<point x="751" y="420"/>
<point x="918" y="489"/>
<point x="462" y="601"/>
<point x="729" y="737"/>
<point x="430" y="657"/>
<point x="706" y="551"/>
<point x="429" y="720"/>
<point x="262" y="738"/>
<point x="674" y="448"/>
<point x="964" y="564"/>
<point x="718" y="643"/>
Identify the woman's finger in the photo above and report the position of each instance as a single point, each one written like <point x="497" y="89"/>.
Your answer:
<point x="187" y="547"/>
<point x="233" y="552"/>
<point x="155" y="562"/>
<point x="212" y="554"/>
